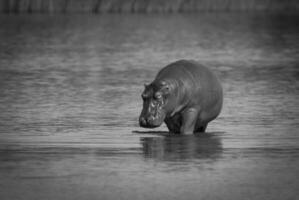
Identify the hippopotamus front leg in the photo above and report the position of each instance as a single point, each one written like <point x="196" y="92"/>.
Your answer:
<point x="174" y="123"/>
<point x="189" y="119"/>
<point x="201" y="128"/>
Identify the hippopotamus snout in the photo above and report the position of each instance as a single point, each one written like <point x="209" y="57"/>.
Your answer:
<point x="148" y="122"/>
<point x="142" y="122"/>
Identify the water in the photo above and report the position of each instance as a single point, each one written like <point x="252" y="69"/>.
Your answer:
<point x="70" y="98"/>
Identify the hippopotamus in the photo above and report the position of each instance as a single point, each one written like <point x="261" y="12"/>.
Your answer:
<point x="185" y="95"/>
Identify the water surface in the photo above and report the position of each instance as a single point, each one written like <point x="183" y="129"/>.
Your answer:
<point x="70" y="98"/>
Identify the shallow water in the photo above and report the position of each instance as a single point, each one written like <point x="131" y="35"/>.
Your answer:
<point x="70" y="98"/>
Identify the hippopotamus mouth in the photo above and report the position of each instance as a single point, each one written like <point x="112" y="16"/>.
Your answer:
<point x="152" y="114"/>
<point x="153" y="117"/>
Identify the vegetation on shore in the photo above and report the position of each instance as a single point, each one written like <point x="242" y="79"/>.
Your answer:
<point x="144" y="6"/>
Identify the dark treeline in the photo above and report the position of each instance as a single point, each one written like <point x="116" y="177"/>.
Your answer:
<point x="144" y="6"/>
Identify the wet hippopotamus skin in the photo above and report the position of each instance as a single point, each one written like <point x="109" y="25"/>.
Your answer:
<point x="185" y="95"/>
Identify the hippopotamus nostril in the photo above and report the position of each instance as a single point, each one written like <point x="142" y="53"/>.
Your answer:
<point x="142" y="121"/>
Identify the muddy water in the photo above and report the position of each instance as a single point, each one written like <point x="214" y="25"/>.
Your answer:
<point x="70" y="98"/>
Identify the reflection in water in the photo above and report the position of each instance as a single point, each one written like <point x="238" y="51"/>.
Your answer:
<point x="182" y="147"/>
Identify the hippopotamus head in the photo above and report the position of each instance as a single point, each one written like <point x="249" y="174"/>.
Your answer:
<point x="157" y="104"/>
